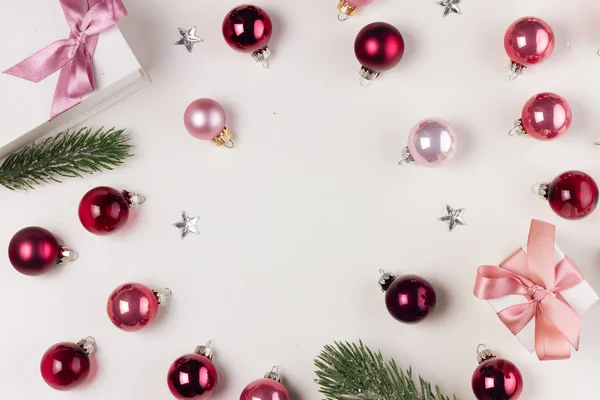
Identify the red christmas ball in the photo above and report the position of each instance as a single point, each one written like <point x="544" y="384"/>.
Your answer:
<point x="379" y="46"/>
<point x="103" y="210"/>
<point x="546" y="116"/>
<point x="573" y="195"/>
<point x="529" y="41"/>
<point x="65" y="366"/>
<point x="409" y="298"/>
<point x="497" y="379"/>
<point x="192" y="376"/>
<point x="33" y="251"/>
<point x="132" y="306"/>
<point x="247" y="28"/>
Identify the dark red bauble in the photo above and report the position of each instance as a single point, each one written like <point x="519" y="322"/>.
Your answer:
<point x="379" y="46"/>
<point x="33" y="251"/>
<point x="410" y="298"/>
<point x="247" y="28"/>
<point x="192" y="376"/>
<point x="497" y="379"/>
<point x="102" y="210"/>
<point x="65" y="366"/>
<point x="573" y="195"/>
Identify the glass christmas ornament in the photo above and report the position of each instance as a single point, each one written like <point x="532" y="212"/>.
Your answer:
<point x="267" y="388"/>
<point x="193" y="376"/>
<point x="103" y="210"/>
<point x="348" y="8"/>
<point x="409" y="298"/>
<point x="545" y="116"/>
<point x="378" y="47"/>
<point x="431" y="143"/>
<point x="132" y="306"/>
<point x="495" y="378"/>
<point x="66" y="365"/>
<point x="528" y="41"/>
<point x="205" y="119"/>
<point x="248" y="29"/>
<point x="571" y="195"/>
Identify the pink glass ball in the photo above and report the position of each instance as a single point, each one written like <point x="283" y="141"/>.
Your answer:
<point x="432" y="142"/>
<point x="33" y="251"/>
<point x="573" y="195"/>
<point x="103" y="210"/>
<point x="64" y="366"/>
<point x="359" y="3"/>
<point x="546" y="116"/>
<point x="204" y="119"/>
<point x="247" y="28"/>
<point x="497" y="379"/>
<point x="265" y="389"/>
<point x="379" y="46"/>
<point x="529" y="41"/>
<point x="192" y="376"/>
<point x="132" y="306"/>
<point x="410" y="298"/>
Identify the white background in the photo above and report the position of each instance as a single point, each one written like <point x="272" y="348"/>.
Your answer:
<point x="297" y="220"/>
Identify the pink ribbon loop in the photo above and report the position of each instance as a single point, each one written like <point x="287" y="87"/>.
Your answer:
<point x="72" y="56"/>
<point x="535" y="275"/>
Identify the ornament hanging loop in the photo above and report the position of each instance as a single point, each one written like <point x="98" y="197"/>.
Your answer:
<point x="517" y="129"/>
<point x="516" y="69"/>
<point x="343" y="17"/>
<point x="274" y="374"/>
<point x="483" y="353"/>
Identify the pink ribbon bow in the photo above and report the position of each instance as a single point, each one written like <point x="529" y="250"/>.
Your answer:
<point x="73" y="56"/>
<point x="535" y="275"/>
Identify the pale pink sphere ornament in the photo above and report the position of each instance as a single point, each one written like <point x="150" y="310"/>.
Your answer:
<point x="528" y="41"/>
<point x="132" y="306"/>
<point x="431" y="143"/>
<point x="545" y="116"/>
<point x="205" y="119"/>
<point x="267" y="388"/>
<point x="348" y="8"/>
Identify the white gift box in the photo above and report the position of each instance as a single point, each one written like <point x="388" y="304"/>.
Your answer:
<point x="28" y="26"/>
<point x="580" y="298"/>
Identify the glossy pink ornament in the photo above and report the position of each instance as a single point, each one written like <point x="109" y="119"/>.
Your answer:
<point x="103" y="210"/>
<point x="267" y="388"/>
<point x="132" y="306"/>
<point x="248" y="29"/>
<point x="378" y="47"/>
<point x="193" y="376"/>
<point x="571" y="195"/>
<point x="495" y="378"/>
<point x="528" y="41"/>
<point x="205" y="119"/>
<point x="348" y="8"/>
<point x="66" y="365"/>
<point x="545" y="116"/>
<point x="431" y="143"/>
<point x="34" y="251"/>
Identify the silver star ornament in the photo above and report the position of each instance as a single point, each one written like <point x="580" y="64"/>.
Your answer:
<point x="450" y="6"/>
<point x="188" y="38"/>
<point x="453" y="218"/>
<point x="187" y="225"/>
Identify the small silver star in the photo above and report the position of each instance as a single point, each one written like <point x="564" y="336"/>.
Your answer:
<point x="450" y="6"/>
<point x="454" y="218"/>
<point x="187" y="225"/>
<point x="189" y="38"/>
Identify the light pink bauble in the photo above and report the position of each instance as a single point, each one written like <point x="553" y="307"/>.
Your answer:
<point x="265" y="389"/>
<point x="359" y="3"/>
<point x="432" y="142"/>
<point x="204" y="119"/>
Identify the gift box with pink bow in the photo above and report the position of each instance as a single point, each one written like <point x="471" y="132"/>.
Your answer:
<point x="539" y="294"/>
<point x="62" y="61"/>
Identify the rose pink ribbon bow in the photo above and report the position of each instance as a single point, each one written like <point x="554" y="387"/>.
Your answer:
<point x="535" y="275"/>
<point x="73" y="56"/>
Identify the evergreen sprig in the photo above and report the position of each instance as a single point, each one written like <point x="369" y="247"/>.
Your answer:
<point x="67" y="155"/>
<point x="350" y="371"/>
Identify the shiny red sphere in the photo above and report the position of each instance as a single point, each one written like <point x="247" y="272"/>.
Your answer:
<point x="379" y="46"/>
<point x="529" y="41"/>
<point x="132" y="306"/>
<point x="546" y="116"/>
<point x="410" y="298"/>
<point x="497" y="379"/>
<point x="265" y="389"/>
<point x="65" y="366"/>
<point x="192" y="376"/>
<point x="573" y="195"/>
<point x="102" y="210"/>
<point x="33" y="251"/>
<point x="247" y="28"/>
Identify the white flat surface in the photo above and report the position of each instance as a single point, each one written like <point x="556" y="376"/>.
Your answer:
<point x="297" y="220"/>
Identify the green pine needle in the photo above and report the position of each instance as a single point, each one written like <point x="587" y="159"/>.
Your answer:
<point x="350" y="371"/>
<point x="66" y="155"/>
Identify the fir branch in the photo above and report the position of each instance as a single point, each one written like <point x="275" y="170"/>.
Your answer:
<point x="350" y="371"/>
<point x="66" y="155"/>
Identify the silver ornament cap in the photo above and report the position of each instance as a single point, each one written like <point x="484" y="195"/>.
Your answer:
<point x="274" y="374"/>
<point x="484" y="354"/>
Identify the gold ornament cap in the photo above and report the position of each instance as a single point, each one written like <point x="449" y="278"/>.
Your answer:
<point x="346" y="10"/>
<point x="484" y="354"/>
<point x="224" y="139"/>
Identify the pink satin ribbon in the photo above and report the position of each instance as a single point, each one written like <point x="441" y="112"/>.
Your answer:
<point x="536" y="276"/>
<point x="73" y="56"/>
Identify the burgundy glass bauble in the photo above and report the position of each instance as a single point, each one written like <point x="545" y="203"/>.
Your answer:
<point x="132" y="306"/>
<point x="33" y="251"/>
<point x="497" y="379"/>
<point x="265" y="389"/>
<point x="529" y="41"/>
<point x="410" y="298"/>
<point x="379" y="46"/>
<point x="546" y="116"/>
<point x="192" y="376"/>
<point x="64" y="366"/>
<point x="102" y="210"/>
<point x="573" y="195"/>
<point x="247" y="28"/>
